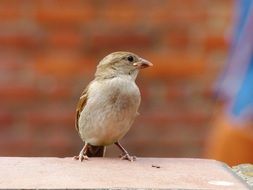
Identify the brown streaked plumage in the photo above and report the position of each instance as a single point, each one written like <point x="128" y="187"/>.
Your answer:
<point x="80" y="105"/>
<point x="108" y="105"/>
<point x="92" y="151"/>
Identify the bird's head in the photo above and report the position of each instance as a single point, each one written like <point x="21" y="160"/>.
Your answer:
<point x="121" y="63"/>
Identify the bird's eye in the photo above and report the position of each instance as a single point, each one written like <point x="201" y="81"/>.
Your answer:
<point x="130" y="58"/>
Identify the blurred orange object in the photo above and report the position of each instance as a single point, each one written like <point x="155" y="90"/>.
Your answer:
<point x="230" y="142"/>
<point x="231" y="139"/>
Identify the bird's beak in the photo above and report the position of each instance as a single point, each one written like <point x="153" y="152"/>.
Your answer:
<point x="143" y="63"/>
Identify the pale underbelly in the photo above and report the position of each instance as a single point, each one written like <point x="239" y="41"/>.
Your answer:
<point x="107" y="127"/>
<point x="109" y="111"/>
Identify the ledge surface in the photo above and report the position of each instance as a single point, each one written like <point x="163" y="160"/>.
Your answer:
<point x="109" y="173"/>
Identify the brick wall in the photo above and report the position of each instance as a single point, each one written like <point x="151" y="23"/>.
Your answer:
<point x="49" y="50"/>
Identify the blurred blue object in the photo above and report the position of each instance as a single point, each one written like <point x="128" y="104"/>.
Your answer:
<point x="243" y="7"/>
<point x="236" y="83"/>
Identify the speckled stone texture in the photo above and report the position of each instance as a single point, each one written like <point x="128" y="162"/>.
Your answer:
<point x="111" y="173"/>
<point x="245" y="171"/>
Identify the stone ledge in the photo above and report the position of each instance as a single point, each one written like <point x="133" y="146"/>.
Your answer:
<point x="112" y="173"/>
<point x="245" y="171"/>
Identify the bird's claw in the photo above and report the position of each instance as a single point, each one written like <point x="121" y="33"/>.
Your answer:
<point x="81" y="157"/>
<point x="128" y="157"/>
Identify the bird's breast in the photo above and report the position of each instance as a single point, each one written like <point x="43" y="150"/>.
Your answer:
<point x="121" y="93"/>
<point x="110" y="110"/>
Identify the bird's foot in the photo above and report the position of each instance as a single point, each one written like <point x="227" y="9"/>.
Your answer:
<point x="128" y="157"/>
<point x="81" y="157"/>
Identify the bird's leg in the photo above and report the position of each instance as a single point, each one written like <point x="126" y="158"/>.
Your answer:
<point x="82" y="155"/>
<point x="125" y="155"/>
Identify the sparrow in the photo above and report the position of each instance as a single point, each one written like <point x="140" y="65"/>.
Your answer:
<point x="109" y="104"/>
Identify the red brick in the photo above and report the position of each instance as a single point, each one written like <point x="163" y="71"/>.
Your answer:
<point x="50" y="117"/>
<point x="49" y="52"/>
<point x="120" y="41"/>
<point x="195" y="16"/>
<point x="176" y="92"/>
<point x="178" y="37"/>
<point x="175" y="65"/>
<point x="19" y="146"/>
<point x="11" y="63"/>
<point x="175" y="117"/>
<point x="19" y="40"/>
<point x="196" y="117"/>
<point x="187" y="91"/>
<point x="59" y="144"/>
<point x="70" y="14"/>
<point x="145" y="95"/>
<point x="65" y="39"/>
<point x="63" y="66"/>
<point x="6" y="119"/>
<point x="209" y="92"/>
<point x="124" y="14"/>
<point x="56" y="92"/>
<point x="18" y="92"/>
<point x="177" y="15"/>
<point x="10" y="13"/>
<point x="215" y="43"/>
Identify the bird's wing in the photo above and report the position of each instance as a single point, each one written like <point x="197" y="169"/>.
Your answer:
<point x="80" y="106"/>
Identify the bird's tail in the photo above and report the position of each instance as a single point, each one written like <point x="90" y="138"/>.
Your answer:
<point x="95" y="151"/>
